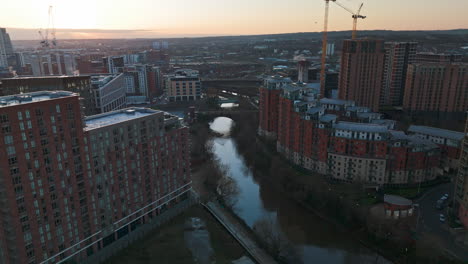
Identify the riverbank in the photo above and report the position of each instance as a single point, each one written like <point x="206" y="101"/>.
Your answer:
<point x="336" y="204"/>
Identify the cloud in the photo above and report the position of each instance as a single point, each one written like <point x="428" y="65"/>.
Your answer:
<point x="32" y="34"/>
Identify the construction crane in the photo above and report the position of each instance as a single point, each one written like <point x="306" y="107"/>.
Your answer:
<point x="324" y="48"/>
<point x="45" y="42"/>
<point x="355" y="17"/>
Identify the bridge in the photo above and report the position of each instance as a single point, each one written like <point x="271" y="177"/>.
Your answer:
<point x="240" y="233"/>
<point x="241" y="87"/>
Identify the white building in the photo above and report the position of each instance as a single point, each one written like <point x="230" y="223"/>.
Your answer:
<point x="109" y="92"/>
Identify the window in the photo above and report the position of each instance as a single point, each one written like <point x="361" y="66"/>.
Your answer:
<point x="20" y="116"/>
<point x="4" y="118"/>
<point x="8" y="140"/>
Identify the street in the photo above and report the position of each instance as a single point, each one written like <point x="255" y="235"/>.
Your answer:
<point x="429" y="219"/>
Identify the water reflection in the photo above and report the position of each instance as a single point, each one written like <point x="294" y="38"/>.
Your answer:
<point x="317" y="241"/>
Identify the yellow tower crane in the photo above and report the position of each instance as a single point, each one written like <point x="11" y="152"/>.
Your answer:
<point x="355" y="17"/>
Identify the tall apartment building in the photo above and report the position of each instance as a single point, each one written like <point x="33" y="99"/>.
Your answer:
<point x="6" y="49"/>
<point x="343" y="141"/>
<point x="437" y="87"/>
<point x="398" y="55"/>
<point x="109" y="92"/>
<point x="362" y="69"/>
<point x="76" y="84"/>
<point x="114" y="64"/>
<point x="423" y="57"/>
<point x="71" y="186"/>
<point x="183" y="85"/>
<point x="461" y="187"/>
<point x="268" y="108"/>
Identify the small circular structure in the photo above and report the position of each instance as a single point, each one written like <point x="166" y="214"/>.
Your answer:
<point x="397" y="207"/>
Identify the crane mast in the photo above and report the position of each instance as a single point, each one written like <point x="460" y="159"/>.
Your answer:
<point x="45" y="43"/>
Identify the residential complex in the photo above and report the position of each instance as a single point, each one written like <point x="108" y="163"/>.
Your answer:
<point x="109" y="92"/>
<point x="398" y="55"/>
<point x="183" y="85"/>
<point x="347" y="142"/>
<point x="362" y="69"/>
<point x="437" y="87"/>
<point x="73" y="185"/>
<point x="76" y="84"/>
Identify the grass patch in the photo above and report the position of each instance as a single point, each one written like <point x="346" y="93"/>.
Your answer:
<point x="409" y="193"/>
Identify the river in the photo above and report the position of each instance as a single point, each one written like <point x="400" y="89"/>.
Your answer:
<point x="316" y="240"/>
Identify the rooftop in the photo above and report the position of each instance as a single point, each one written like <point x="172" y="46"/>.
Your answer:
<point x="328" y="118"/>
<point x="27" y="98"/>
<point x="115" y="117"/>
<point x="437" y="132"/>
<point x="397" y="200"/>
<point x="45" y="77"/>
<point x="336" y="101"/>
<point x="361" y="127"/>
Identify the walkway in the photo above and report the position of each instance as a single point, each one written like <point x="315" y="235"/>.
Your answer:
<point x="239" y="233"/>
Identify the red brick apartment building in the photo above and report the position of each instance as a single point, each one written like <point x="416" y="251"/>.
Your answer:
<point x="345" y="142"/>
<point x="71" y="185"/>
<point x="362" y="69"/>
<point x="437" y="87"/>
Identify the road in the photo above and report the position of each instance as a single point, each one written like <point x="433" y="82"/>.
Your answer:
<point x="429" y="219"/>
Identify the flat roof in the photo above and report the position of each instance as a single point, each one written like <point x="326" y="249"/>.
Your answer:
<point x="115" y="117"/>
<point x="335" y="101"/>
<point x="46" y="77"/>
<point x="328" y="118"/>
<point x="361" y="127"/>
<point x="397" y="200"/>
<point x="33" y="97"/>
<point x="437" y="132"/>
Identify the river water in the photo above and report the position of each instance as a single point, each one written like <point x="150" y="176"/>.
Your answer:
<point x="316" y="240"/>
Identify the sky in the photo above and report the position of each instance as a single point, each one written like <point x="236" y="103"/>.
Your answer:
<point x="170" y="18"/>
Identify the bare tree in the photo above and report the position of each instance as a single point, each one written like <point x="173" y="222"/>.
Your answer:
<point x="275" y="241"/>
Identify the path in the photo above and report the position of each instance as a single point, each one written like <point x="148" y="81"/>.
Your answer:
<point x="239" y="233"/>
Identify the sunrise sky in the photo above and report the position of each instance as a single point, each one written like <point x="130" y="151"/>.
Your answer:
<point x="158" y="18"/>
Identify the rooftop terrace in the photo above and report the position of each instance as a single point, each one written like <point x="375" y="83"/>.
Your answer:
<point x="115" y="117"/>
<point x="27" y="98"/>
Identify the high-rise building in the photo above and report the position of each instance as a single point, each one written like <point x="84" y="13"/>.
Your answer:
<point x="71" y="186"/>
<point x="183" y="85"/>
<point x="268" y="108"/>
<point x="114" y="64"/>
<point x="303" y="71"/>
<point x="398" y="55"/>
<point x="6" y="49"/>
<point x="461" y="188"/>
<point x="362" y="67"/>
<point x="76" y="84"/>
<point x="436" y="88"/>
<point x="109" y="92"/>
<point x="423" y="57"/>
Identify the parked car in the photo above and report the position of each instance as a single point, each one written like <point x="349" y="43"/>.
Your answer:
<point x="446" y="196"/>
<point x="442" y="218"/>
<point x="440" y="204"/>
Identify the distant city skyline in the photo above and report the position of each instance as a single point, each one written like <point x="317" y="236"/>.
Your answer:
<point x="155" y="18"/>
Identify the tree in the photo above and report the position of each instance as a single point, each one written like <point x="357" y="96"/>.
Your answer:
<point x="274" y="240"/>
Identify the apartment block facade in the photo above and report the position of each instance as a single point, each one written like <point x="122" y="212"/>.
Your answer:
<point x="109" y="92"/>
<point x="362" y="69"/>
<point x="346" y="142"/>
<point x="72" y="185"/>
<point x="183" y="85"/>
<point x="437" y="88"/>
<point x="398" y="55"/>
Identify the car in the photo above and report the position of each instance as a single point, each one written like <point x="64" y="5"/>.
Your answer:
<point x="440" y="204"/>
<point x="443" y="198"/>
<point x="442" y="218"/>
<point x="446" y="196"/>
